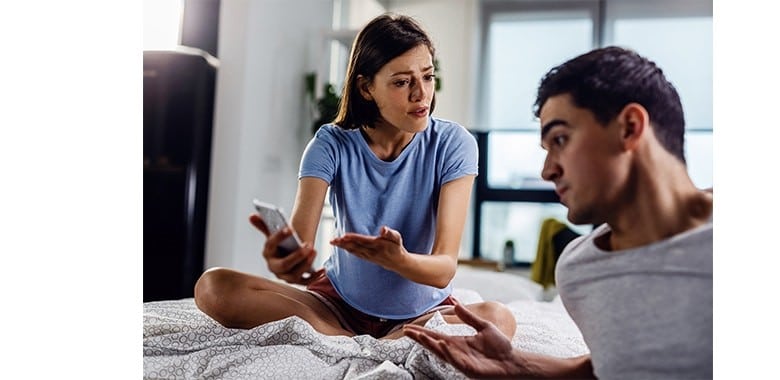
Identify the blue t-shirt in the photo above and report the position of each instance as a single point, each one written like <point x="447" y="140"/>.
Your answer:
<point x="367" y="193"/>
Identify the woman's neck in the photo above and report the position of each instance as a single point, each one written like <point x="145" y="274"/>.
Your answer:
<point x="387" y="142"/>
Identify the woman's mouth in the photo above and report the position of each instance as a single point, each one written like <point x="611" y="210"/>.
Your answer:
<point x="419" y="112"/>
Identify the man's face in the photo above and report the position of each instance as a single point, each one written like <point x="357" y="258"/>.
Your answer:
<point x="584" y="160"/>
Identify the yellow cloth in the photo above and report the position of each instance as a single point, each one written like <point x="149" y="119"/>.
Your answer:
<point x="543" y="267"/>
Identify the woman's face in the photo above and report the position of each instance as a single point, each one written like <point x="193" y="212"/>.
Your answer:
<point x="403" y="90"/>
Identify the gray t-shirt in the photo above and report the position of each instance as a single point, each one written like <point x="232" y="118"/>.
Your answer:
<point x="645" y="313"/>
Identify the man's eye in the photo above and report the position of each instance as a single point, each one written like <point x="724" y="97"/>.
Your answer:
<point x="559" y="140"/>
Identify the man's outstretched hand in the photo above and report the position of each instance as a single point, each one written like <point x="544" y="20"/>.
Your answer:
<point x="486" y="354"/>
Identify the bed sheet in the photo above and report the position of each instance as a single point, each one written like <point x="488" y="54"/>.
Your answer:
<point x="180" y="342"/>
<point x="503" y="287"/>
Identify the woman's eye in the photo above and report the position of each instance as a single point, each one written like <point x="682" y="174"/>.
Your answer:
<point x="401" y="83"/>
<point x="429" y="77"/>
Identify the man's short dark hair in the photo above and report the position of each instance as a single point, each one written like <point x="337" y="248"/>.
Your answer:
<point x="605" y="80"/>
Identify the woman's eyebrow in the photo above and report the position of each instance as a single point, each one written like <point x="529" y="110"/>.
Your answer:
<point x="410" y="72"/>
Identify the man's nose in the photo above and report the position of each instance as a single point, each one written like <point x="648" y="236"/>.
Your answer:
<point x="550" y="170"/>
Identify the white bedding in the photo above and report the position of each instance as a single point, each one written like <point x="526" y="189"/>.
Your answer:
<point x="180" y="342"/>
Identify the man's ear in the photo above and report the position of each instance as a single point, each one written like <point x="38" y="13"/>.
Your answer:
<point x="633" y="120"/>
<point x="363" y="86"/>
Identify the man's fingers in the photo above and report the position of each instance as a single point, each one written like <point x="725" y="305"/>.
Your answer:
<point x="423" y="331"/>
<point x="434" y="342"/>
<point x="430" y="343"/>
<point x="470" y="318"/>
<point x="440" y="348"/>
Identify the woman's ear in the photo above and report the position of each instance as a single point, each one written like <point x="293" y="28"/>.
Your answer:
<point x="363" y="86"/>
<point x="633" y="120"/>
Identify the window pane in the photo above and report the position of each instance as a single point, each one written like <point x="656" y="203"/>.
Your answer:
<point x="521" y="223"/>
<point x="515" y="160"/>
<point x="682" y="48"/>
<point x="521" y="51"/>
<point x="162" y="23"/>
<point x="698" y="156"/>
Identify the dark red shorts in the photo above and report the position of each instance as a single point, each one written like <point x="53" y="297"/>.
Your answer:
<point x="357" y="321"/>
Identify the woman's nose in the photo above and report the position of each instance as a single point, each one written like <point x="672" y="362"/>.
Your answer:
<point x="418" y="92"/>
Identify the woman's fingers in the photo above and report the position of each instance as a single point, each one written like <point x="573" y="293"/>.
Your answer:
<point x="313" y="277"/>
<point x="272" y="243"/>
<point x="357" y="245"/>
<point x="391" y="235"/>
<point x="257" y="221"/>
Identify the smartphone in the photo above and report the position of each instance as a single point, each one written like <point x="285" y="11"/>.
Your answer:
<point x="275" y="220"/>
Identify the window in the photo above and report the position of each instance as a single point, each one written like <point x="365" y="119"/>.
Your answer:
<point x="522" y="40"/>
<point x="162" y="23"/>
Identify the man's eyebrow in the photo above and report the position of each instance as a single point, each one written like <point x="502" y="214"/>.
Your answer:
<point x="409" y="72"/>
<point x="552" y="123"/>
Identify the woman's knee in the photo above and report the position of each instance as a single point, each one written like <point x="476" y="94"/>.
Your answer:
<point x="214" y="290"/>
<point x="499" y="314"/>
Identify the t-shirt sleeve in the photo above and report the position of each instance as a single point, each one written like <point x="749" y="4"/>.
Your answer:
<point x="460" y="155"/>
<point x="319" y="157"/>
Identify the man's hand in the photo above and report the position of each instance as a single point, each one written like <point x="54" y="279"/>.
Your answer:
<point x="486" y="354"/>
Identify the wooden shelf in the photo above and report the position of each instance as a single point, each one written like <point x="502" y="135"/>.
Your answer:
<point x="481" y="263"/>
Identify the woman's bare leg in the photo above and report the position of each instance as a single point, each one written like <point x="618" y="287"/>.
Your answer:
<point x="241" y="300"/>
<point x="495" y="312"/>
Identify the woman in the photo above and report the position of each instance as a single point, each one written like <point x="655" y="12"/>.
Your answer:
<point x="400" y="183"/>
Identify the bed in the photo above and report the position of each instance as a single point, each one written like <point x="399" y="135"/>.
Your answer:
<point x="180" y="342"/>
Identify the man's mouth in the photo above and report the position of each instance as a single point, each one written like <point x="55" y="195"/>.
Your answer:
<point x="560" y="190"/>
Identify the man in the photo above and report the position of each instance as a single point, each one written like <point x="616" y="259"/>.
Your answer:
<point x="639" y="287"/>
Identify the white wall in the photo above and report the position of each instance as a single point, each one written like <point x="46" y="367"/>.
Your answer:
<point x="261" y="125"/>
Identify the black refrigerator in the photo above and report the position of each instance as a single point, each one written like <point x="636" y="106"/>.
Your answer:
<point x="178" y="92"/>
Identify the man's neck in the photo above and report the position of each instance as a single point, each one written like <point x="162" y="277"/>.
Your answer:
<point x="661" y="204"/>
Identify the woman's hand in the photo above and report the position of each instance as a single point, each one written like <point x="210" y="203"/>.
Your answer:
<point x="385" y="250"/>
<point x="293" y="268"/>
